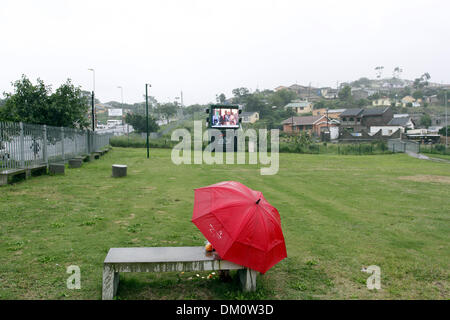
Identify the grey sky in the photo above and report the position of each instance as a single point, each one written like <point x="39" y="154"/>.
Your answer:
<point x="206" y="47"/>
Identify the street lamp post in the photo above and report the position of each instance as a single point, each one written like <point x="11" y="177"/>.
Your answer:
<point x="146" y="116"/>
<point x="93" y="99"/>
<point x="128" y="127"/>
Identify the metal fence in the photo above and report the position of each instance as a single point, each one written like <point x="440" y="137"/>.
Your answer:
<point x="403" y="146"/>
<point x="24" y="145"/>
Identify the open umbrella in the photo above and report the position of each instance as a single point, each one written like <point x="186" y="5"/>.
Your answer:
<point x="241" y="225"/>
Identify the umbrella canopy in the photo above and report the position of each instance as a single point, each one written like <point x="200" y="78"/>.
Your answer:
<point x="241" y="225"/>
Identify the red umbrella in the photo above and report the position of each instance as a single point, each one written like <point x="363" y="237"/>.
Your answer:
<point x="240" y="224"/>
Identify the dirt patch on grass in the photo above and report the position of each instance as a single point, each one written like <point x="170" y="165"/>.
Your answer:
<point x="427" y="178"/>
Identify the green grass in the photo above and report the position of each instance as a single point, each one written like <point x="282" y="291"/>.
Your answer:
<point x="339" y="213"/>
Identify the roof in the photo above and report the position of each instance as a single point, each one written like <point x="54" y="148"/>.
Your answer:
<point x="301" y="121"/>
<point x="403" y="121"/>
<point x="297" y="104"/>
<point x="352" y="112"/>
<point x="248" y="114"/>
<point x="374" y="111"/>
<point x="336" y="110"/>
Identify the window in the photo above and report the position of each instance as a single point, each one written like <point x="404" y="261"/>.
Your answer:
<point x="351" y="119"/>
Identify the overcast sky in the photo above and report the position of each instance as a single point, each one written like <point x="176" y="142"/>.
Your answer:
<point x="205" y="47"/>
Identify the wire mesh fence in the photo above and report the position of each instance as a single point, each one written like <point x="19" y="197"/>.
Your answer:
<point x="25" y="145"/>
<point x="403" y="146"/>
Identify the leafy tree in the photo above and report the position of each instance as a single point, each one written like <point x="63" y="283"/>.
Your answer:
<point x="166" y="110"/>
<point x="379" y="71"/>
<point x="425" y="120"/>
<point x="418" y="94"/>
<point x="239" y="94"/>
<point x="422" y="81"/>
<point x="139" y="123"/>
<point x="345" y="94"/>
<point x="222" y="98"/>
<point x="36" y="104"/>
<point x="442" y="130"/>
<point x="281" y="98"/>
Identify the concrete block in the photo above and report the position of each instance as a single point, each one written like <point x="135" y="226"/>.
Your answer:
<point x="75" y="163"/>
<point x="119" y="170"/>
<point x="56" y="168"/>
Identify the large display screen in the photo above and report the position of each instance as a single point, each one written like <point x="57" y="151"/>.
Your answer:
<point x="224" y="117"/>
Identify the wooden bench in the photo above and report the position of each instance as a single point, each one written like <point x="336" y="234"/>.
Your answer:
<point x="5" y="174"/>
<point x="166" y="259"/>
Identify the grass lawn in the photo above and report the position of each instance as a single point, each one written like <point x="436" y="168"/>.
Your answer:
<point x="339" y="213"/>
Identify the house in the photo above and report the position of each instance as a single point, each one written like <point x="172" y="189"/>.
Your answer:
<point x="406" y="100"/>
<point x="309" y="124"/>
<point x="329" y="93"/>
<point x="250" y="117"/>
<point x="332" y="113"/>
<point x="351" y="120"/>
<point x="280" y="88"/>
<point x="405" y="122"/>
<point x="377" y="116"/>
<point x="397" y="123"/>
<point x="384" y="101"/>
<point x="357" y="120"/>
<point x="358" y="93"/>
<point x="300" y="107"/>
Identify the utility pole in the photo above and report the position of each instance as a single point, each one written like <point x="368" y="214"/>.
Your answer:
<point x="146" y="116"/>
<point x="93" y="99"/>
<point x="446" y="120"/>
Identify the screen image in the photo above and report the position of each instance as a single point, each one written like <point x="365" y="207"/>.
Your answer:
<point x="225" y="118"/>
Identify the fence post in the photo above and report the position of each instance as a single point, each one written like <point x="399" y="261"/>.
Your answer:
<point x="88" y="143"/>
<point x="44" y="145"/>
<point x="62" y="143"/>
<point x="75" y="140"/>
<point x="22" y="146"/>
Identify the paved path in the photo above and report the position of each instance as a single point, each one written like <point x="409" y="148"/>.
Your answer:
<point x="424" y="157"/>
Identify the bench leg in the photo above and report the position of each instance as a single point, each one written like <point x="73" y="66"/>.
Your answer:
<point x="3" y="179"/>
<point x="110" y="283"/>
<point x="248" y="279"/>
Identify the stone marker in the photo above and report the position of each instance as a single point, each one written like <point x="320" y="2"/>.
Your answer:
<point x="119" y="170"/>
<point x="75" y="163"/>
<point x="56" y="168"/>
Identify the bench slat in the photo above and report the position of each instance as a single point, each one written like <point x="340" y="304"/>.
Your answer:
<point x="159" y="254"/>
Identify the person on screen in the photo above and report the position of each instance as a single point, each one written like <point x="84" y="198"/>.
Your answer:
<point x="227" y="118"/>
<point x="232" y="119"/>
<point x="215" y="119"/>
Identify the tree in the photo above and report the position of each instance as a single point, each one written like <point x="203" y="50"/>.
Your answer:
<point x="397" y="72"/>
<point x="166" y="110"/>
<point x="222" y="98"/>
<point x="425" y="120"/>
<point x="239" y="94"/>
<point x="422" y="81"/>
<point x="379" y="71"/>
<point x="418" y="94"/>
<point x="139" y="123"/>
<point x="442" y="131"/>
<point x="36" y="104"/>
<point x="68" y="107"/>
<point x="345" y="94"/>
<point x="281" y="98"/>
